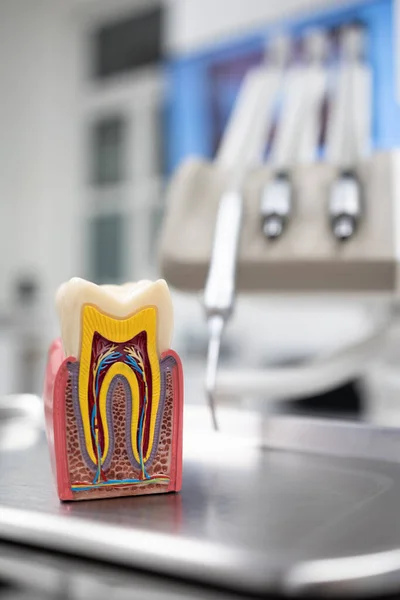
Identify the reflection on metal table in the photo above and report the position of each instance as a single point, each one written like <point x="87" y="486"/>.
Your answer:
<point x="316" y="512"/>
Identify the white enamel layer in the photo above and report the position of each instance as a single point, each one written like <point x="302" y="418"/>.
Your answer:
<point x="117" y="301"/>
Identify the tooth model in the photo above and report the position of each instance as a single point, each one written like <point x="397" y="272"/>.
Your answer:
<point x="114" y="392"/>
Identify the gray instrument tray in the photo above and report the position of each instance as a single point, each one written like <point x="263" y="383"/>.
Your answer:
<point x="316" y="512"/>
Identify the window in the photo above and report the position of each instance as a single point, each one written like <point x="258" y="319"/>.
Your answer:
<point x="160" y="140"/>
<point x="108" y="151"/>
<point x="127" y="44"/>
<point x="156" y="216"/>
<point x="106" y="243"/>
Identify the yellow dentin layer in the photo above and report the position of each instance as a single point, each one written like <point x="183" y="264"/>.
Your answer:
<point x="118" y="331"/>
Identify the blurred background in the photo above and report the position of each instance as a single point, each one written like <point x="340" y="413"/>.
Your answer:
<point x="100" y="103"/>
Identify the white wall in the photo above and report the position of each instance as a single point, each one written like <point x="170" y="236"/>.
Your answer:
<point x="195" y="23"/>
<point x="37" y="130"/>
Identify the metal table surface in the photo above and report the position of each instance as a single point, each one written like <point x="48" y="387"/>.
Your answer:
<point x="315" y="512"/>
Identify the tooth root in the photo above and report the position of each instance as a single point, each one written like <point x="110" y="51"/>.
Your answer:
<point x="118" y="302"/>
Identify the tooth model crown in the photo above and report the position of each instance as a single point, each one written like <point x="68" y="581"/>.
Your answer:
<point x="114" y="399"/>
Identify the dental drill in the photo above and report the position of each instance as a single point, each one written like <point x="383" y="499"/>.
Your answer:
<point x="297" y="137"/>
<point x="241" y="148"/>
<point x="348" y="134"/>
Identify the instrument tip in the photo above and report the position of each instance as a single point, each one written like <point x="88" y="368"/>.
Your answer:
<point x="216" y="326"/>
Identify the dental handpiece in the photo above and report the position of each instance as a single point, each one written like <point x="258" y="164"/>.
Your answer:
<point x="348" y="135"/>
<point x="241" y="148"/>
<point x="219" y="294"/>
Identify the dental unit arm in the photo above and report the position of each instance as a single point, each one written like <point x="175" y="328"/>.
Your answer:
<point x="242" y="148"/>
<point x="306" y="258"/>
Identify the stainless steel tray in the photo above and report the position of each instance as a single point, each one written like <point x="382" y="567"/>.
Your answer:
<point x="317" y="512"/>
